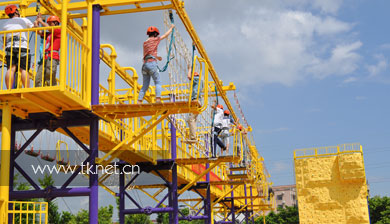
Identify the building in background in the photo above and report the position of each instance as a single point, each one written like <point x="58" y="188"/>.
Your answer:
<point x="285" y="195"/>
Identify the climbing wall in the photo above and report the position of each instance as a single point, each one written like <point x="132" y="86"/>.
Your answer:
<point x="332" y="188"/>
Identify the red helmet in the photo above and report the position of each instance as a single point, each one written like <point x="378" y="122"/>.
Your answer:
<point x="220" y="106"/>
<point x="10" y="9"/>
<point x="239" y="127"/>
<point x="226" y="112"/>
<point x="152" y="29"/>
<point x="54" y="19"/>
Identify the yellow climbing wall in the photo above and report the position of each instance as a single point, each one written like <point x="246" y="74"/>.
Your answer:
<point x="331" y="188"/>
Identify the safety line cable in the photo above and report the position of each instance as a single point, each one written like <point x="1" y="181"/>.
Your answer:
<point x="170" y="46"/>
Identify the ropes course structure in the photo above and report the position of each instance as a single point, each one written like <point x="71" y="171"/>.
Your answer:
<point x="98" y="124"/>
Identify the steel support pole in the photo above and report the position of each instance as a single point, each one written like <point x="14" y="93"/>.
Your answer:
<point x="246" y="209"/>
<point x="11" y="171"/>
<point x="253" y="218"/>
<point x="174" y="196"/>
<point x="94" y="127"/>
<point x="232" y="209"/>
<point x="121" y="198"/>
<point x="207" y="206"/>
<point x="5" y="160"/>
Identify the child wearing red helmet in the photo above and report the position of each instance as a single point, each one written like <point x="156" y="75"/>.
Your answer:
<point x="227" y="122"/>
<point x="47" y="69"/>
<point x="149" y="68"/>
<point x="16" y="46"/>
<point x="192" y="117"/>
<point x="217" y="128"/>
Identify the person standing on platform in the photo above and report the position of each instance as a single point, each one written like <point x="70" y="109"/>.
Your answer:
<point x="149" y="68"/>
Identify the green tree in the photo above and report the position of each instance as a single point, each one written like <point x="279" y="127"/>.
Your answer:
<point x="137" y="219"/>
<point x="66" y="217"/>
<point x="104" y="216"/>
<point x="287" y="215"/>
<point x="82" y="217"/>
<point x="134" y="218"/>
<point x="53" y="213"/>
<point x="379" y="210"/>
<point x="163" y="218"/>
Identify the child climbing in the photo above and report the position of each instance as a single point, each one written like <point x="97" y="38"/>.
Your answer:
<point x="149" y="68"/>
<point x="15" y="43"/>
<point x="217" y="128"/>
<point x="48" y="67"/>
<point x="227" y="122"/>
<point x="192" y="117"/>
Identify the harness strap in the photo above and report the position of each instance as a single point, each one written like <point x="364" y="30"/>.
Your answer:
<point x="149" y="56"/>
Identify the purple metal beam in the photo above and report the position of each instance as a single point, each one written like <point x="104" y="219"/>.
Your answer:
<point x="162" y="200"/>
<point x="132" y="199"/>
<point x="121" y="198"/>
<point x="253" y="218"/>
<point x="200" y="210"/>
<point x="38" y="123"/>
<point x="95" y="54"/>
<point x="26" y="176"/>
<point x="130" y="182"/>
<point x="76" y="140"/>
<point x="246" y="209"/>
<point x="162" y="177"/>
<point x="207" y="206"/>
<point x="50" y="193"/>
<point x="175" y="202"/>
<point x="190" y="218"/>
<point x="74" y="175"/>
<point x="94" y="128"/>
<point x="27" y="143"/>
<point x="147" y="210"/>
<point x="196" y="190"/>
<point x="232" y="194"/>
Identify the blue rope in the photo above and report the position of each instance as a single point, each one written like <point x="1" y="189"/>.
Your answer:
<point x="170" y="46"/>
<point x="193" y="56"/>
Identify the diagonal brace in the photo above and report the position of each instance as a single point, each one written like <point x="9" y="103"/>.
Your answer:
<point x="115" y="153"/>
<point x="190" y="184"/>
<point x="223" y="196"/>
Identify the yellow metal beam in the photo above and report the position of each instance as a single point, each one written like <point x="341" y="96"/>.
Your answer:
<point x="147" y="127"/>
<point x="198" y="177"/>
<point x="191" y="161"/>
<point x="5" y="160"/>
<point x="124" y="11"/>
<point x="241" y="209"/>
<point x="179" y="7"/>
<point x="224" y="195"/>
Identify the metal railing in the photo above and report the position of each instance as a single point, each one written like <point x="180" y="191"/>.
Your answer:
<point x="327" y="151"/>
<point x="27" y="212"/>
<point x="35" y="67"/>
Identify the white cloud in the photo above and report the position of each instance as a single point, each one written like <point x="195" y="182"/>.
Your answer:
<point x="350" y="80"/>
<point x="344" y="60"/>
<point x="324" y="6"/>
<point x="379" y="67"/>
<point x="279" y="45"/>
<point x="327" y="6"/>
<point x="385" y="46"/>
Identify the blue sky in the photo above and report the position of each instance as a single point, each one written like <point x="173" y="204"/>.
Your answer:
<point x="343" y="102"/>
<point x="308" y="73"/>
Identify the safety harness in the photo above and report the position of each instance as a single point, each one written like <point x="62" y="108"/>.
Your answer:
<point x="147" y="57"/>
